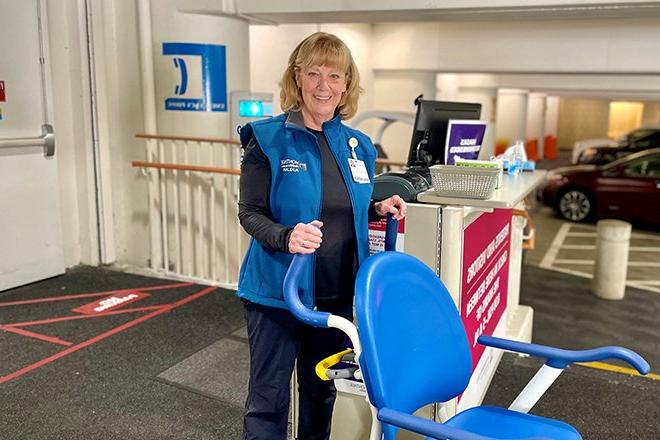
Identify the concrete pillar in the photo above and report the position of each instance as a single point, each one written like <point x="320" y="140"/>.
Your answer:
<point x="612" y="244"/>
<point x="446" y="87"/>
<point x="535" y="120"/>
<point x="550" y="127"/>
<point x="396" y="91"/>
<point x="511" y="115"/>
<point x="486" y="97"/>
<point x="551" y="116"/>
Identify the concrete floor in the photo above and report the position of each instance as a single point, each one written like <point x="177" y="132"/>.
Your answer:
<point x="182" y="373"/>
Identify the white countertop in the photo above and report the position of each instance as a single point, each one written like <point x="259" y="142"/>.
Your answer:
<point x="514" y="189"/>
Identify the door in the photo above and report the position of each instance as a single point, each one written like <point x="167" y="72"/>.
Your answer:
<point x="631" y="190"/>
<point x="30" y="220"/>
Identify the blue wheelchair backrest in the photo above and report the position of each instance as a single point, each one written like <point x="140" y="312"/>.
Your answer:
<point x="415" y="350"/>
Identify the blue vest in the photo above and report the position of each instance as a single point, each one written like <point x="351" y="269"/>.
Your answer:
<point x="295" y="197"/>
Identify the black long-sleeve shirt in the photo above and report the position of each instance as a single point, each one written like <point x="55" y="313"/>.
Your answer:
<point x="336" y="258"/>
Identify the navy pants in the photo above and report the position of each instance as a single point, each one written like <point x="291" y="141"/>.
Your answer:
<point x="276" y="340"/>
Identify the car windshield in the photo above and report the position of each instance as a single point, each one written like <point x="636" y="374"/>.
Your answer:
<point x="640" y="134"/>
<point x="653" y="156"/>
<point x="646" y="167"/>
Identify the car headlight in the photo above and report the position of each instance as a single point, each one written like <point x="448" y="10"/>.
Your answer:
<point x="589" y="152"/>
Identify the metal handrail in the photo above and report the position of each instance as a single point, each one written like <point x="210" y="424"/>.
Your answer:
<point x="183" y="167"/>
<point x="46" y="140"/>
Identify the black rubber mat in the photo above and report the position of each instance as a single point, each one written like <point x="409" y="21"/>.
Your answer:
<point x="109" y="389"/>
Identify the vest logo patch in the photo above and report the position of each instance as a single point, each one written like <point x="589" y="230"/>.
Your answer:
<point x="292" y="166"/>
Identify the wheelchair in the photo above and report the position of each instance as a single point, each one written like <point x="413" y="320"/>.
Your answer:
<point x="407" y="320"/>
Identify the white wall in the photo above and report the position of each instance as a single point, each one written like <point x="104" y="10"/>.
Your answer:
<point x="536" y="120"/>
<point x="651" y="115"/>
<point x="270" y="47"/>
<point x="120" y="117"/>
<point x="169" y="25"/>
<point x="511" y="114"/>
<point x="398" y="61"/>
<point x="397" y="91"/>
<point x="603" y="46"/>
<point x="581" y="119"/>
<point x="487" y="98"/>
<point x="72" y="123"/>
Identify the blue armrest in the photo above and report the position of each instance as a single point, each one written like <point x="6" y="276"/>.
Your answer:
<point x="292" y="298"/>
<point x="293" y="274"/>
<point x="560" y="358"/>
<point x="428" y="427"/>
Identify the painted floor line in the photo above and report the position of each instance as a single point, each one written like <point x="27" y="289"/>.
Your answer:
<point x="642" y="286"/>
<point x="581" y="234"/>
<point x="91" y="295"/>
<point x="573" y="261"/>
<point x="34" y="335"/>
<point x="550" y="260"/>
<point x="630" y="263"/>
<point x="649" y="282"/>
<point x="616" y="369"/>
<point x="589" y="247"/>
<point x="105" y="334"/>
<point x="551" y="254"/>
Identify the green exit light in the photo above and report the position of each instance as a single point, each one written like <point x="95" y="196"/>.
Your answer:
<point x="250" y="109"/>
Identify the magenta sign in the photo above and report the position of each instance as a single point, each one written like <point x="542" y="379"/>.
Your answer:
<point x="485" y="276"/>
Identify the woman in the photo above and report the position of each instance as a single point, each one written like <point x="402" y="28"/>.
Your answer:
<point x="306" y="187"/>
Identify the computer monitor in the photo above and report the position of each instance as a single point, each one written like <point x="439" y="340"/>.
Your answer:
<point x="427" y="146"/>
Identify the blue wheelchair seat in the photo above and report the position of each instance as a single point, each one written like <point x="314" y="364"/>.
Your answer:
<point x="415" y="352"/>
<point x="502" y="423"/>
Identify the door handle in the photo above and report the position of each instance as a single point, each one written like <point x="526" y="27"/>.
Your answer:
<point x="46" y="140"/>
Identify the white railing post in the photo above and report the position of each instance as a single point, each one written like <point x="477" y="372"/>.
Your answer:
<point x="177" y="214"/>
<point x="163" y="208"/>
<point x="190" y="222"/>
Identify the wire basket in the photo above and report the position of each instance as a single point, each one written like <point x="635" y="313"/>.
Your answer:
<point x="466" y="182"/>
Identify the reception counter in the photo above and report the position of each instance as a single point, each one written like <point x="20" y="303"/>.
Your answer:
<point x="475" y="247"/>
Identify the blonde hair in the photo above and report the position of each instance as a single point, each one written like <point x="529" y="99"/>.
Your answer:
<point x="321" y="49"/>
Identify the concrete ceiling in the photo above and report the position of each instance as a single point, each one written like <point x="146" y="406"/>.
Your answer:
<point x="371" y="11"/>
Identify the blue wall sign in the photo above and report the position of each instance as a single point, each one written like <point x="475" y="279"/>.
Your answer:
<point x="213" y="80"/>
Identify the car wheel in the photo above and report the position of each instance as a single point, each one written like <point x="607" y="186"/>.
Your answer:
<point x="575" y="205"/>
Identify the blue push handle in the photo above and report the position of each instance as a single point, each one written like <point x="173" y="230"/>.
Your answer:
<point x="560" y="358"/>
<point x="294" y="273"/>
<point x="391" y="231"/>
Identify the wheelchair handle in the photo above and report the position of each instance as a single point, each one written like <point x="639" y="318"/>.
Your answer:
<point x="298" y="264"/>
<point x="391" y="230"/>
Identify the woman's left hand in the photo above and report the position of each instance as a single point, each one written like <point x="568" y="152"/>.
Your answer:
<point x="394" y="205"/>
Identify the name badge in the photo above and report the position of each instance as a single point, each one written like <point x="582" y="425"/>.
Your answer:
<point x="359" y="171"/>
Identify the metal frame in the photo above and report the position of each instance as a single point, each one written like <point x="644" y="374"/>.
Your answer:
<point x="46" y="140"/>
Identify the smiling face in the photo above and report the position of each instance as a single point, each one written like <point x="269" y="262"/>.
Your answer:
<point x="321" y="89"/>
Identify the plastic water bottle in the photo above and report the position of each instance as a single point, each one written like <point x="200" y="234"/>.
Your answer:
<point x="518" y="156"/>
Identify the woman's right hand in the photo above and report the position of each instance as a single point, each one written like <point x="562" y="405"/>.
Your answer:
<point x="306" y="237"/>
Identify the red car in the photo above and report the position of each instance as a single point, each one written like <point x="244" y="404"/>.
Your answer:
<point x="628" y="188"/>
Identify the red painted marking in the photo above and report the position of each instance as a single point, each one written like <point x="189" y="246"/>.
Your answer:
<point x="91" y="295"/>
<point x="29" y="334"/>
<point x="2" y="91"/>
<point x="74" y="317"/>
<point x="105" y="335"/>
<point x="111" y="302"/>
